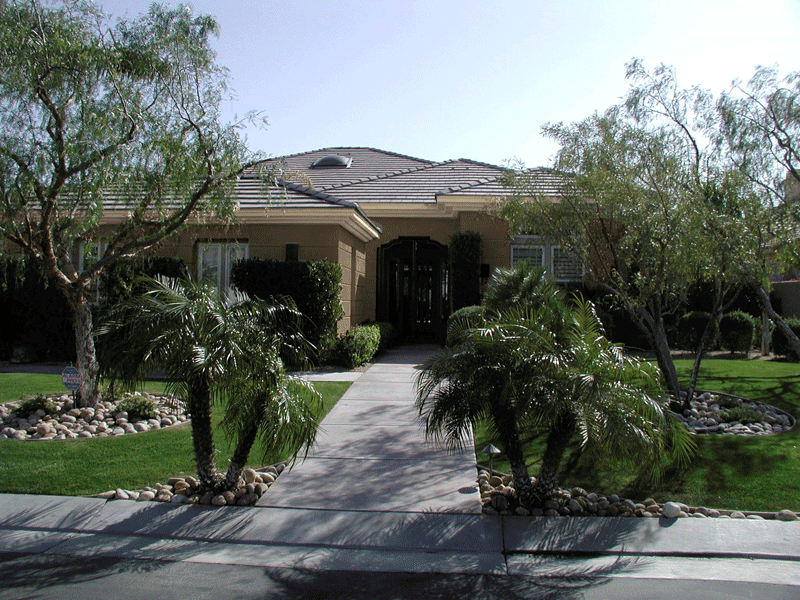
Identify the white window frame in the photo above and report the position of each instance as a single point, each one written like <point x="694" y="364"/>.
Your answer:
<point x="548" y="260"/>
<point x="527" y="242"/>
<point x="227" y="254"/>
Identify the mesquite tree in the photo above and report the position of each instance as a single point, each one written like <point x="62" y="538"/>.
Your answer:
<point x="110" y="138"/>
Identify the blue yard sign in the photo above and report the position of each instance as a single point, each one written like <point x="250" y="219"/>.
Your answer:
<point x="71" y="378"/>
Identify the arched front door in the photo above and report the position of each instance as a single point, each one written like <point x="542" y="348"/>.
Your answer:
<point x="413" y="283"/>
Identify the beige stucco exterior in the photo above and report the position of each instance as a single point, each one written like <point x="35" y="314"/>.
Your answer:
<point x="333" y="242"/>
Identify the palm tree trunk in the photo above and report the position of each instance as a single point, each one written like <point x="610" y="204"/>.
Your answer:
<point x="512" y="445"/>
<point x="202" y="433"/>
<point x="556" y="445"/>
<point x="240" y="454"/>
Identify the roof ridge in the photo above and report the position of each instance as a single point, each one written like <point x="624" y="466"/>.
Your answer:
<point x="380" y="176"/>
<point x="324" y="196"/>
<point x="334" y="148"/>
<point x="483" y="164"/>
<point x="317" y="193"/>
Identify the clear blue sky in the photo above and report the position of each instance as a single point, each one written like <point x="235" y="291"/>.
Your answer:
<point x="442" y="79"/>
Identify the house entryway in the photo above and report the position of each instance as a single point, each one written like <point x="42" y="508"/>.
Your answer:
<point x="413" y="288"/>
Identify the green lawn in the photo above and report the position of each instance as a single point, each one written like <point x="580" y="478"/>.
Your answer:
<point x="80" y="467"/>
<point x="759" y="474"/>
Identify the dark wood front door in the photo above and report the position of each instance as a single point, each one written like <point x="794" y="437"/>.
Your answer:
<point x="413" y="288"/>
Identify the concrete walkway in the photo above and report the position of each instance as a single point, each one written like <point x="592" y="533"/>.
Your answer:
<point x="372" y="455"/>
<point x="375" y="497"/>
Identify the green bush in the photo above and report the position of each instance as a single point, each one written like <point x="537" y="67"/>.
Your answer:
<point x="358" y="345"/>
<point x="138" y="408"/>
<point x="465" y="268"/>
<point x="314" y="287"/>
<point x="389" y="335"/>
<point x="741" y="414"/>
<point x="121" y="280"/>
<point x="36" y="315"/>
<point x="466" y="317"/>
<point x="780" y="345"/>
<point x="28" y="406"/>
<point x="736" y="331"/>
<point x="690" y="330"/>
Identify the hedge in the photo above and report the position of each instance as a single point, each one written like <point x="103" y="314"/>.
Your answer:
<point x="465" y="268"/>
<point x="314" y="287"/>
<point x="120" y="280"/>
<point x="36" y="315"/>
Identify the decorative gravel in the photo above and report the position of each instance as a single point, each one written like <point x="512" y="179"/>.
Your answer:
<point x="66" y="421"/>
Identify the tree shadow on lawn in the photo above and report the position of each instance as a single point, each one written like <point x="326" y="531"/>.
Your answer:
<point x="715" y="474"/>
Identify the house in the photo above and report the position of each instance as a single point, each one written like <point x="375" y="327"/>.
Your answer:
<point x="386" y="218"/>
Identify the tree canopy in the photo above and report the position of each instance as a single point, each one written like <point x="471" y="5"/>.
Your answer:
<point x="108" y="131"/>
<point x="651" y="205"/>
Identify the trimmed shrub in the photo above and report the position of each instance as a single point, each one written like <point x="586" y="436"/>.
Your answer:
<point x="314" y="287"/>
<point x="465" y="268"/>
<point x="358" y="345"/>
<point x="466" y="317"/>
<point x="780" y="345"/>
<point x="690" y="330"/>
<point x="736" y="331"/>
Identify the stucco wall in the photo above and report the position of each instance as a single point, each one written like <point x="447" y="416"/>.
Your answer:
<point x="352" y="258"/>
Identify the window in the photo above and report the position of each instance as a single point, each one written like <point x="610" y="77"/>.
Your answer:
<point x="526" y="248"/>
<point x="558" y="263"/>
<point x="214" y="261"/>
<point x="564" y="267"/>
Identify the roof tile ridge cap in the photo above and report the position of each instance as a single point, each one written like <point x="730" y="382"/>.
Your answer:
<point x="478" y="183"/>
<point x="379" y="176"/>
<point x="481" y="163"/>
<point x="372" y="149"/>
<point x="315" y="193"/>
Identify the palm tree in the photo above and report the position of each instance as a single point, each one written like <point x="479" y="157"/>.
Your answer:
<point x="538" y="364"/>
<point x="614" y="402"/>
<point x="214" y="347"/>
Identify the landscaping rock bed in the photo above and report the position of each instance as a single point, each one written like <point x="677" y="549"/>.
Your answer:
<point x="722" y="414"/>
<point x="186" y="490"/>
<point x="498" y="496"/>
<point x="60" y="419"/>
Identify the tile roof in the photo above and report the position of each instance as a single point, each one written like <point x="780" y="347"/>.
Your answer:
<point x="377" y="176"/>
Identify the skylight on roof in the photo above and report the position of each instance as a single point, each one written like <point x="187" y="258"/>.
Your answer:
<point x="333" y="160"/>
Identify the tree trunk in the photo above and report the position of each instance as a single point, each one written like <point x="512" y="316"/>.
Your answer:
<point x="716" y="315"/>
<point x="89" y="393"/>
<point x="512" y="445"/>
<point x="202" y="433"/>
<point x="240" y="454"/>
<point x="766" y="306"/>
<point x="652" y="326"/>
<point x="557" y="441"/>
